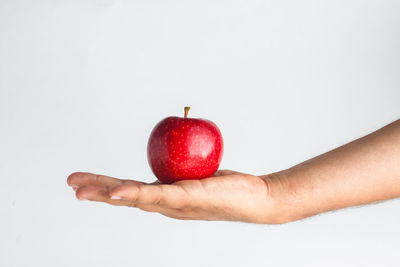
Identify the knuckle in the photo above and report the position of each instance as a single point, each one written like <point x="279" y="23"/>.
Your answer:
<point x="158" y="201"/>
<point x="160" y="198"/>
<point x="133" y="202"/>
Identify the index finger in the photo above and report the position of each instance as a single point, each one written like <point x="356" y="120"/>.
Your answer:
<point x="85" y="178"/>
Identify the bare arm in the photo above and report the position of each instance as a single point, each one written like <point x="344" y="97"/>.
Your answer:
<point x="363" y="171"/>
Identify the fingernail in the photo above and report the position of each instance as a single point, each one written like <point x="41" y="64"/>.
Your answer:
<point x="83" y="199"/>
<point x="115" y="197"/>
<point x="74" y="187"/>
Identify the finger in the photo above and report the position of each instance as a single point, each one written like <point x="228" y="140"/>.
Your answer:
<point x="224" y="172"/>
<point x="78" y="179"/>
<point x="96" y="193"/>
<point x="99" y="194"/>
<point x="168" y="195"/>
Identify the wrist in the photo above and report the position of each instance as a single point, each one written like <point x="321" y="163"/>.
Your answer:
<point x="284" y="198"/>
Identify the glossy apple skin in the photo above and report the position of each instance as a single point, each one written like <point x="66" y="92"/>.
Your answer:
<point x="184" y="149"/>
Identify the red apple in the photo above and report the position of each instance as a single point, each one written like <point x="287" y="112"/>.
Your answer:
<point x="184" y="148"/>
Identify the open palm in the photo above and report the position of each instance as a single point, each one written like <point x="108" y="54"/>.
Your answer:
<point x="228" y="195"/>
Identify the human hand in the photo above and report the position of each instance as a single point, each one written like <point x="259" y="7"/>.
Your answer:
<point x="364" y="171"/>
<point x="229" y="196"/>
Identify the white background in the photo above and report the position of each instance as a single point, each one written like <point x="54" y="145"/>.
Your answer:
<point x="82" y="83"/>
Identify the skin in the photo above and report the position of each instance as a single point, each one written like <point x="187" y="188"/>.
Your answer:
<point x="364" y="171"/>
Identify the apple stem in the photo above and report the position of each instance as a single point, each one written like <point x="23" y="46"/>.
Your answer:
<point x="186" y="111"/>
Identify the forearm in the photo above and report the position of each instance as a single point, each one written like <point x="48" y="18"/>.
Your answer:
<point x="363" y="171"/>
